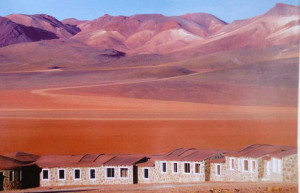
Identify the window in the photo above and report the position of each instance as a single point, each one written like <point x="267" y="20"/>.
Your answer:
<point x="45" y="174"/>
<point x="246" y="165"/>
<point x="11" y="176"/>
<point x="124" y="172"/>
<point x="218" y="169"/>
<point x="175" y="167"/>
<point x="268" y="168"/>
<point x="279" y="163"/>
<point x="92" y="174"/>
<point x="61" y="174"/>
<point x="77" y="175"/>
<point x="20" y="175"/>
<point x="186" y="168"/>
<point x="274" y="165"/>
<point x="164" y="167"/>
<point x="110" y="172"/>
<point x="232" y="163"/>
<point x="146" y="173"/>
<point x="253" y="165"/>
<point x="197" y="168"/>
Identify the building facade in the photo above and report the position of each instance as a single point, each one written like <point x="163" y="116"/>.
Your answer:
<point x="259" y="162"/>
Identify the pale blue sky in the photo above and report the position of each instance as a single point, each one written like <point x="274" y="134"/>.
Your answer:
<point x="227" y="10"/>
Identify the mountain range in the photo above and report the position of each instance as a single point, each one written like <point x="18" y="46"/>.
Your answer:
<point x="158" y="34"/>
<point x="148" y="82"/>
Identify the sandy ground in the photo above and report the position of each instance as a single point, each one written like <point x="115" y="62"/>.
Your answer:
<point x="207" y="187"/>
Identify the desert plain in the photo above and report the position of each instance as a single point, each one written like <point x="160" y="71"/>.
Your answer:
<point x="147" y="84"/>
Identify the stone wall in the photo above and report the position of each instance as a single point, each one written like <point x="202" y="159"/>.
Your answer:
<point x="290" y="168"/>
<point x="236" y="173"/>
<point x="15" y="184"/>
<point x="212" y="172"/>
<point x="142" y="180"/>
<point x="288" y="173"/>
<point x="157" y="176"/>
<point x="85" y="178"/>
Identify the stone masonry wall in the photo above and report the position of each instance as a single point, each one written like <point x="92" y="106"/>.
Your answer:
<point x="272" y="176"/>
<point x="15" y="184"/>
<point x="236" y="173"/>
<point x="142" y="180"/>
<point x="85" y="178"/>
<point x="290" y="168"/>
<point x="156" y="175"/>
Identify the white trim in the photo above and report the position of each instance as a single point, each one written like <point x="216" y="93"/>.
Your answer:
<point x="183" y="168"/>
<point x="161" y="167"/>
<point x="173" y="167"/>
<point x="274" y="165"/>
<point x="20" y="175"/>
<point x="199" y="168"/>
<point x="268" y="168"/>
<point x="231" y="167"/>
<point x="127" y="172"/>
<point x="90" y="173"/>
<point x="279" y="165"/>
<point x="74" y="177"/>
<point x="64" y="174"/>
<point x="11" y="175"/>
<point x="243" y="165"/>
<point x="43" y="174"/>
<point x="109" y="178"/>
<point x="253" y="170"/>
<point x="216" y="169"/>
<point x="148" y="173"/>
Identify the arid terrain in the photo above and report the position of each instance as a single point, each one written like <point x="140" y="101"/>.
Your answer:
<point x="148" y="83"/>
<point x="207" y="187"/>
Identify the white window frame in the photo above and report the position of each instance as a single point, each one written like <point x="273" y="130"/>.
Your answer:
<point x="20" y="175"/>
<point x="173" y="167"/>
<point x="90" y="174"/>
<point x="148" y="173"/>
<point x="231" y="167"/>
<point x="109" y="178"/>
<point x="251" y="164"/>
<point x="43" y="174"/>
<point x="64" y="174"/>
<point x="161" y="167"/>
<point x="79" y="174"/>
<point x="199" y="168"/>
<point x="216" y="169"/>
<point x="268" y="168"/>
<point x="127" y="172"/>
<point x="191" y="171"/>
<point x="11" y="175"/>
<point x="243" y="165"/>
<point x="279" y="166"/>
<point x="274" y="165"/>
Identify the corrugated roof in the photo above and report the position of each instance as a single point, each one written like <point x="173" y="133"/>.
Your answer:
<point x="285" y="153"/>
<point x="23" y="156"/>
<point x="124" y="160"/>
<point x="219" y="160"/>
<point x="7" y="163"/>
<point x="259" y="150"/>
<point x="88" y="160"/>
<point x="201" y="155"/>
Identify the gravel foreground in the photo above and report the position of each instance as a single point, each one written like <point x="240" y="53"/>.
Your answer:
<point x="207" y="187"/>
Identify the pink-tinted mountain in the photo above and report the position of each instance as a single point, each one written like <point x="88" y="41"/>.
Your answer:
<point x="45" y="22"/>
<point x="12" y="33"/>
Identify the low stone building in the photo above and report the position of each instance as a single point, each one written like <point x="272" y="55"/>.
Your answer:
<point x="90" y="169"/>
<point x="180" y="165"/>
<point x="281" y="166"/>
<point x="245" y="165"/>
<point x="17" y="171"/>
